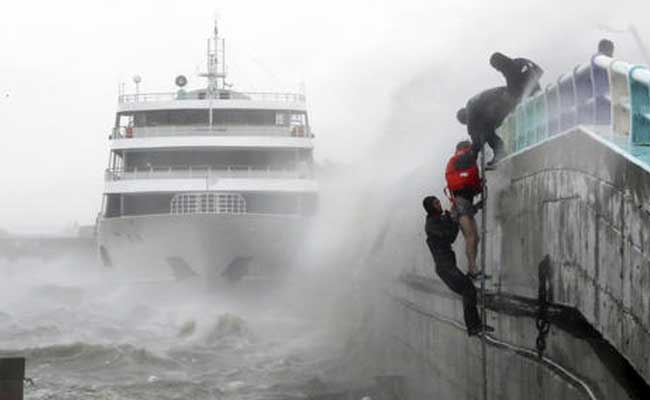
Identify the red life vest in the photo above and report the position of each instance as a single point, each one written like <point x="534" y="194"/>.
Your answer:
<point x="464" y="176"/>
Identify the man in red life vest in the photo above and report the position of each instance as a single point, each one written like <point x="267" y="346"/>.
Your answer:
<point x="464" y="183"/>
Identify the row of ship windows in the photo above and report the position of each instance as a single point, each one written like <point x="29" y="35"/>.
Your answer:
<point x="277" y="159"/>
<point x="116" y="205"/>
<point x="219" y="117"/>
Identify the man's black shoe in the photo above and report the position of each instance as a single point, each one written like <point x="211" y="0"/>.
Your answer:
<point x="478" y="330"/>
<point x="478" y="276"/>
<point x="492" y="164"/>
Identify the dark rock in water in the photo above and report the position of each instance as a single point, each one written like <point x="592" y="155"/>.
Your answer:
<point x="228" y="325"/>
<point x="187" y="329"/>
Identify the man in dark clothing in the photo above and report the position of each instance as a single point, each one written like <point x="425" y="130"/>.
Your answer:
<point x="485" y="112"/>
<point x="522" y="75"/>
<point x="606" y="48"/>
<point x="442" y="230"/>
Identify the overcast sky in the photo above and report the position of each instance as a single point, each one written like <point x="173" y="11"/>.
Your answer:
<point x="387" y="72"/>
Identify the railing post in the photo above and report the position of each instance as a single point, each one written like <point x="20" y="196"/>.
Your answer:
<point x="584" y="89"/>
<point x="619" y="94"/>
<point x="601" y="91"/>
<point x="639" y="106"/>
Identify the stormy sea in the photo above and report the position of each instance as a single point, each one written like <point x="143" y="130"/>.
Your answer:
<point x="89" y="336"/>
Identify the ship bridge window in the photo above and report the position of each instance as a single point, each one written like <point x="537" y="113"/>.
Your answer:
<point x="171" y="117"/>
<point x="275" y="159"/>
<point x="242" y="117"/>
<point x="125" y="120"/>
<point x="219" y="117"/>
<point x="286" y="118"/>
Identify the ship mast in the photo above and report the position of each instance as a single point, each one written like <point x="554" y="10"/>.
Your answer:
<point x="216" y="73"/>
<point x="216" y="66"/>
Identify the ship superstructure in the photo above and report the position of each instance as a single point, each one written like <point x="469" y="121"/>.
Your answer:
<point x="210" y="181"/>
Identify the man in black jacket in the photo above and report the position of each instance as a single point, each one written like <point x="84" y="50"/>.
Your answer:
<point x="484" y="113"/>
<point x="521" y="74"/>
<point x="442" y="230"/>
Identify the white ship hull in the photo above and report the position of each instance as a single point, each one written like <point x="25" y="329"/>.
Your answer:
<point x="208" y="246"/>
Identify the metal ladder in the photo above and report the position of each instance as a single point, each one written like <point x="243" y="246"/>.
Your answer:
<point x="483" y="254"/>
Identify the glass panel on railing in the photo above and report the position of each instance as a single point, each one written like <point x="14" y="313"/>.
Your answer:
<point x="567" y="103"/>
<point x="553" y="110"/>
<point x="540" y="117"/>
<point x="520" y="120"/>
<point x="584" y="95"/>
<point x="506" y="132"/>
<point x="531" y="132"/>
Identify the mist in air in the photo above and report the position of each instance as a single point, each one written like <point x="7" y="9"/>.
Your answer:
<point x="383" y="83"/>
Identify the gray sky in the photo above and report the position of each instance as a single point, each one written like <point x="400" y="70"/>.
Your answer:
<point x="387" y="72"/>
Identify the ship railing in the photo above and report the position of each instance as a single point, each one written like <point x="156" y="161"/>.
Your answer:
<point x="208" y="203"/>
<point x="206" y="172"/>
<point x="280" y="97"/>
<point x="123" y="132"/>
<point x="608" y="94"/>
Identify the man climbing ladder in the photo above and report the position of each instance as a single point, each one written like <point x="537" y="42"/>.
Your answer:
<point x="464" y="183"/>
<point x="483" y="275"/>
<point x="442" y="230"/>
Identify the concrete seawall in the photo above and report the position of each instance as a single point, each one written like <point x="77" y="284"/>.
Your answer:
<point x="572" y="200"/>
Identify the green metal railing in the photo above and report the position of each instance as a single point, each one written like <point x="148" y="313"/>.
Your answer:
<point x="607" y="93"/>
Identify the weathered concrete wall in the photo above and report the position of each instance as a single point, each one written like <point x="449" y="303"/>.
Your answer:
<point x="588" y="208"/>
<point x="572" y="198"/>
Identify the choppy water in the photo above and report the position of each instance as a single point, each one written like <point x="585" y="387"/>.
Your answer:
<point x="88" y="338"/>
